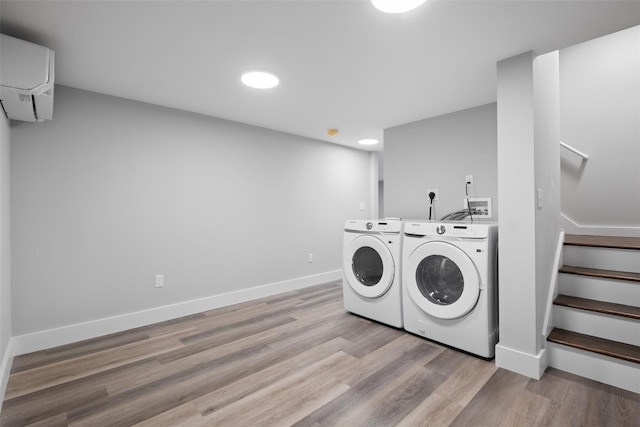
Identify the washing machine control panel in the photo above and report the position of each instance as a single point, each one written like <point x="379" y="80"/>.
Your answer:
<point x="449" y="229"/>
<point x="467" y="230"/>
<point x="471" y="231"/>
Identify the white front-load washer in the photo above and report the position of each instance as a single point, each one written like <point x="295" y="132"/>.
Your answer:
<point x="371" y="257"/>
<point x="450" y="284"/>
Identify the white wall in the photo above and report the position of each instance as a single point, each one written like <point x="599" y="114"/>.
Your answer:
<point x="600" y="115"/>
<point x="528" y="161"/>
<point x="112" y="192"/>
<point x="438" y="153"/>
<point x="5" y="254"/>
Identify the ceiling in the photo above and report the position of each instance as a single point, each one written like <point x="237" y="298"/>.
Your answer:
<point x="341" y="64"/>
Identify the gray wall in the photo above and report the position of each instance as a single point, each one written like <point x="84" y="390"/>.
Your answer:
<point x="438" y="153"/>
<point x="112" y="192"/>
<point x="5" y="244"/>
<point x="600" y="112"/>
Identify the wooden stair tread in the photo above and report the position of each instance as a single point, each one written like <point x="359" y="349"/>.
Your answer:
<point x="605" y="274"/>
<point x="599" y="306"/>
<point x="610" y="348"/>
<point x="614" y="242"/>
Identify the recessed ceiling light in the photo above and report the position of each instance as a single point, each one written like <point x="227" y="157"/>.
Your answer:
<point x="396" y="6"/>
<point x="368" y="141"/>
<point x="260" y="79"/>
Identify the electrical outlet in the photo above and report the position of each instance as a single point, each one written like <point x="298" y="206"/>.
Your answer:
<point x="310" y="258"/>
<point x="468" y="179"/>
<point x="159" y="280"/>
<point x="432" y="191"/>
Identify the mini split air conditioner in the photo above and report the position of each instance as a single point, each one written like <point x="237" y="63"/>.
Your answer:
<point x="26" y="80"/>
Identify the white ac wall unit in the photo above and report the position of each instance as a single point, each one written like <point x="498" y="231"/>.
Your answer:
<point x="26" y="80"/>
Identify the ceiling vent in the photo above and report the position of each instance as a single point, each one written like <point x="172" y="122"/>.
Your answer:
<point x="26" y="80"/>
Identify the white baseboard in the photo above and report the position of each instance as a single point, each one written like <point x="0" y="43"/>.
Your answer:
<point x="571" y="227"/>
<point x="5" y="369"/>
<point x="41" y="340"/>
<point x="532" y="366"/>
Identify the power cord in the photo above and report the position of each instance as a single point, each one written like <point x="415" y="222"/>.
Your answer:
<point x="460" y="215"/>
<point x="432" y="196"/>
<point x="466" y="192"/>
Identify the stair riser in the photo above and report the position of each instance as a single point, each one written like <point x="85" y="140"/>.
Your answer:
<point x="607" y="370"/>
<point x="602" y="258"/>
<point x="599" y="325"/>
<point x="608" y="290"/>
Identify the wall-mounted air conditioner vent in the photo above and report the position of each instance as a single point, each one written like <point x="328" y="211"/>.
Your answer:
<point x="26" y="80"/>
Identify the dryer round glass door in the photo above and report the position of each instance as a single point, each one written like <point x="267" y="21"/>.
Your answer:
<point x="442" y="280"/>
<point x="368" y="266"/>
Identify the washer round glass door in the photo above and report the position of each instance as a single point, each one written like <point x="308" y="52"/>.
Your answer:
<point x="442" y="280"/>
<point x="368" y="266"/>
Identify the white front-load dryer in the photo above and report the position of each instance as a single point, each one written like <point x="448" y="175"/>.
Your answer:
<point x="450" y="284"/>
<point x="371" y="257"/>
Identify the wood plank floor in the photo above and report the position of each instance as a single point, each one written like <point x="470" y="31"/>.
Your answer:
<point x="296" y="359"/>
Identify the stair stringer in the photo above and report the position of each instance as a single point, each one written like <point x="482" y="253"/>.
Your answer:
<point x="553" y="288"/>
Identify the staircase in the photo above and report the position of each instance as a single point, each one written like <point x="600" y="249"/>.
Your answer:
<point x="596" y="315"/>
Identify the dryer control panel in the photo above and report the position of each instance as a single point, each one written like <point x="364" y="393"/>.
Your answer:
<point x="373" y="226"/>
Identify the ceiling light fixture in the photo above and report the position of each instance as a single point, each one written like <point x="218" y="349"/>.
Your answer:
<point x="396" y="6"/>
<point x="260" y="79"/>
<point x="368" y="141"/>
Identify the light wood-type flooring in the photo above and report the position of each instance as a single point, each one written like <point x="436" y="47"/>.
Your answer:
<point x="296" y="359"/>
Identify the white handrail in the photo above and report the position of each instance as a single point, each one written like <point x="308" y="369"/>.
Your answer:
<point x="575" y="151"/>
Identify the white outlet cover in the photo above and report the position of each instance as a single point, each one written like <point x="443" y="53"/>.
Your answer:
<point x="159" y="280"/>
